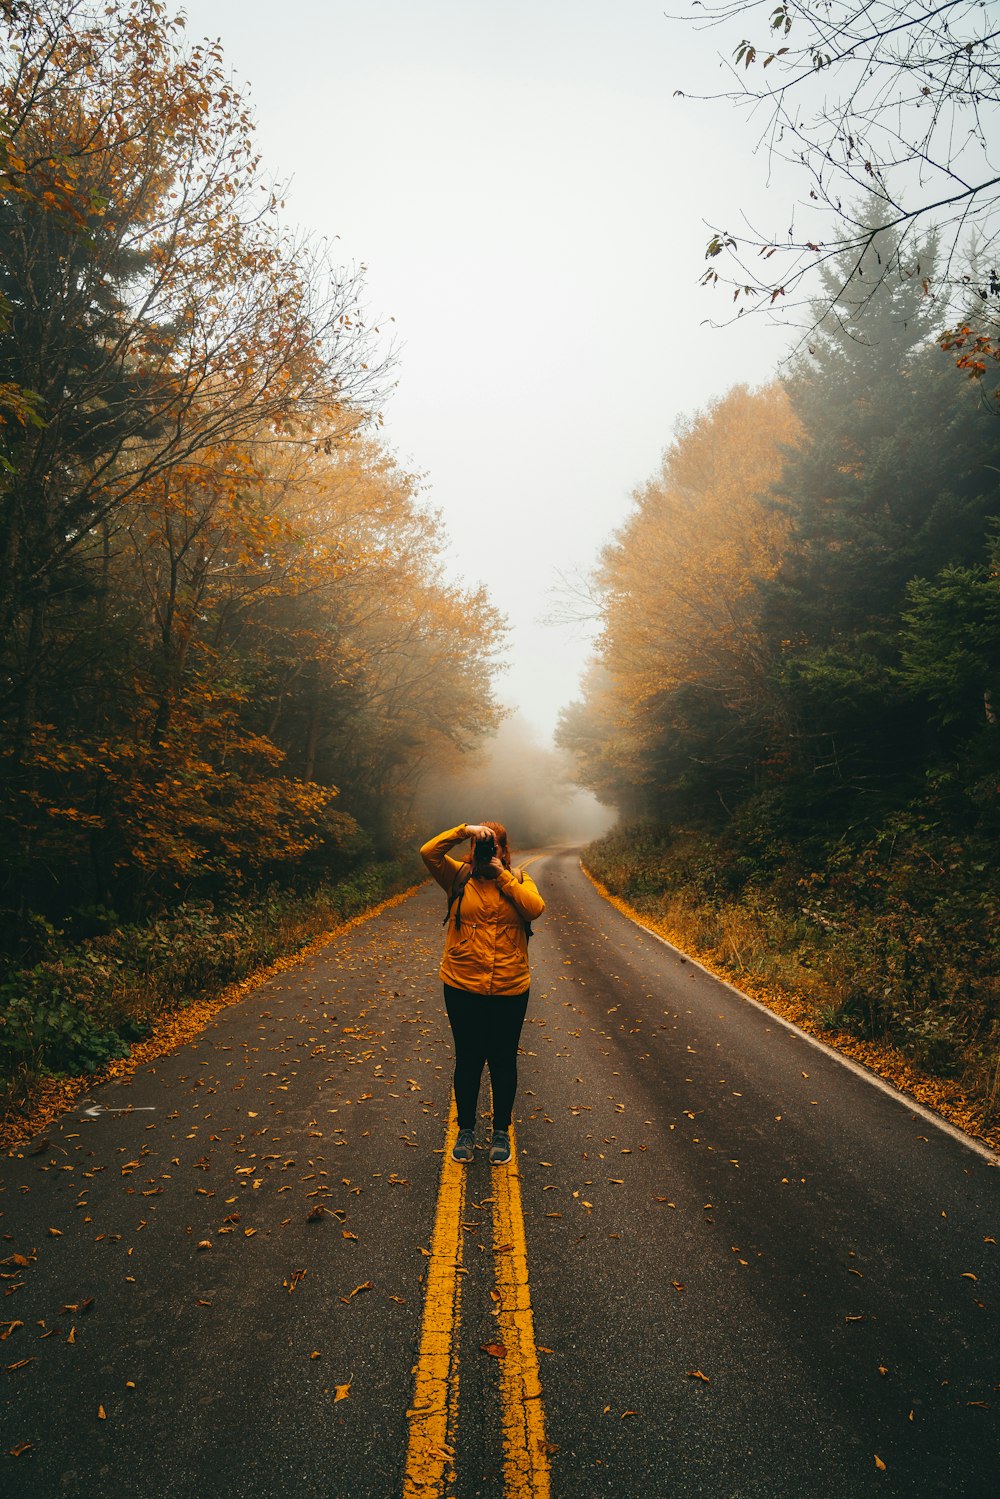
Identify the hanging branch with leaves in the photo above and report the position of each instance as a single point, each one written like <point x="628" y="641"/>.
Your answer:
<point x="886" y="115"/>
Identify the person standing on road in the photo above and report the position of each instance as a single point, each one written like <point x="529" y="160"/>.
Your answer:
<point x="484" y="970"/>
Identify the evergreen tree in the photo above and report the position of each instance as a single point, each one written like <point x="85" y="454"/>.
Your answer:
<point x="893" y="479"/>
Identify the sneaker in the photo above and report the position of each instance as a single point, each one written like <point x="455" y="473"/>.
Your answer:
<point x="500" y="1148"/>
<point x="465" y="1146"/>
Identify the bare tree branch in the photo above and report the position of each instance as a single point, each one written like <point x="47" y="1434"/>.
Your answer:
<point x="887" y="114"/>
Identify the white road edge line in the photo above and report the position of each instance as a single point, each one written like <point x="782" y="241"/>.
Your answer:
<point x="977" y="1146"/>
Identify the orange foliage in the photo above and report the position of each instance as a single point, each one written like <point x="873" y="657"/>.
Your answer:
<point x="221" y="605"/>
<point x="679" y="576"/>
<point x="974" y="351"/>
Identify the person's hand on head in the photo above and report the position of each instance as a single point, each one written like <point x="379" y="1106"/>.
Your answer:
<point x="477" y="830"/>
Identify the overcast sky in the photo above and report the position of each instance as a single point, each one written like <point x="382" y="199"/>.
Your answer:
<point x="528" y="197"/>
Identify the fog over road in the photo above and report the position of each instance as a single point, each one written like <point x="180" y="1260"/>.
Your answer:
<point x="752" y="1274"/>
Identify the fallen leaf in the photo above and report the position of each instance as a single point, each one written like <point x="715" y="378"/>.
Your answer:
<point x="21" y="1447"/>
<point x="968" y="1275"/>
<point x="8" y="1328"/>
<point x="205" y="1244"/>
<point x="56" y="1233"/>
<point x="697" y="1374"/>
<point x="315" y="1354"/>
<point x="21" y="1363"/>
<point x="316" y="1213"/>
<point x="365" y="1286"/>
<point x="341" y="1391"/>
<point x="629" y="1413"/>
<point x="102" y="1414"/>
<point x="495" y="1350"/>
<point x="880" y="1465"/>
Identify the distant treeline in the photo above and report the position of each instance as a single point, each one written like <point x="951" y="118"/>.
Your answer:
<point x="515" y="779"/>
<point x="226" y="653"/>
<point x="797" y="689"/>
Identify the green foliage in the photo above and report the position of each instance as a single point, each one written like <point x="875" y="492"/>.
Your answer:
<point x="894" y="937"/>
<point x="834" y="828"/>
<point x="83" y="1003"/>
<point x="950" y="653"/>
<point x="42" y="1029"/>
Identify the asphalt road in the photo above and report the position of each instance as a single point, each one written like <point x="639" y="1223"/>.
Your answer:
<point x="759" y="1276"/>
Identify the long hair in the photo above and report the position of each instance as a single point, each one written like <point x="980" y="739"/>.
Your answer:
<point x="503" y="848"/>
<point x="500" y="834"/>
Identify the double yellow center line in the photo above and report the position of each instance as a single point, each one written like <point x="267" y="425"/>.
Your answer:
<point x="433" y="1418"/>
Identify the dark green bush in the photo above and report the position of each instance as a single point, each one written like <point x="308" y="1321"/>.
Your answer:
<point x="86" y="1002"/>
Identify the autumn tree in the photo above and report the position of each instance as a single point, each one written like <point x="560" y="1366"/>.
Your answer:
<point x="681" y="644"/>
<point x="227" y="644"/>
<point x="154" y="305"/>
<point x="799" y="621"/>
<point x="397" y="673"/>
<point x="598" y="733"/>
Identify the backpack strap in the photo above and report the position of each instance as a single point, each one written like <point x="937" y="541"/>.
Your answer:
<point x="458" y="884"/>
<point x="519" y="876"/>
<point x="462" y="878"/>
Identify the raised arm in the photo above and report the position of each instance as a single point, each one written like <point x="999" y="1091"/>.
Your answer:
<point x="521" y="892"/>
<point x="437" y="858"/>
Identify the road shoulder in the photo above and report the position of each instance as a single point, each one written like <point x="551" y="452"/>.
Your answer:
<point x="940" y="1096"/>
<point x="171" y="1031"/>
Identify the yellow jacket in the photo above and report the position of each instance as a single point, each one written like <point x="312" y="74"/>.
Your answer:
<point x="488" y="952"/>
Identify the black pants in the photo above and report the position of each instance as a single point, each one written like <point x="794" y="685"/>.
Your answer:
<point x="486" y="1028"/>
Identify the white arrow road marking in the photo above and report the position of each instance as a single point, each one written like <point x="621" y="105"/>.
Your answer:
<point x="98" y="1108"/>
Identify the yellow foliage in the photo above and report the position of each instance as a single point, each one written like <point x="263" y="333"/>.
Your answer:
<point x="680" y="573"/>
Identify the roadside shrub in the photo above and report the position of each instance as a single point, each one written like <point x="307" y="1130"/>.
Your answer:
<point x="894" y="936"/>
<point x="86" y="1002"/>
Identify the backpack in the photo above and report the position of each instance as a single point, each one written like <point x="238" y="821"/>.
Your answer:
<point x="462" y="878"/>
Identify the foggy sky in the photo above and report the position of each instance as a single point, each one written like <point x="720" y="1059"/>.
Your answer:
<point x="528" y="197"/>
<point x="519" y="781"/>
